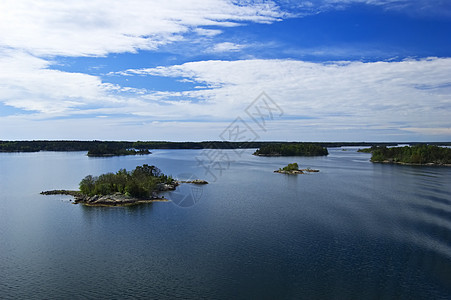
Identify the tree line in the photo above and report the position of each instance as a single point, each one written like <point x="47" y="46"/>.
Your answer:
<point x="292" y="149"/>
<point x="117" y="146"/>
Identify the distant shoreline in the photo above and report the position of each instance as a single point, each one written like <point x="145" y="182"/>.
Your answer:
<point x="71" y="145"/>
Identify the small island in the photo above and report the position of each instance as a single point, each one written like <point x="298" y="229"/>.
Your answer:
<point x="295" y="149"/>
<point x="293" y="169"/>
<point x="142" y="185"/>
<point x="429" y="155"/>
<point x="108" y="151"/>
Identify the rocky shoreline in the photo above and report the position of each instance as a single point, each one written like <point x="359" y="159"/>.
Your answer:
<point x="268" y="155"/>
<point x="104" y="200"/>
<point x="410" y="164"/>
<point x="196" y="181"/>
<point x="296" y="172"/>
<point x="115" y="200"/>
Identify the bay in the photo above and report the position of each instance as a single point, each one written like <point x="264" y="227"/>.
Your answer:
<point x="355" y="230"/>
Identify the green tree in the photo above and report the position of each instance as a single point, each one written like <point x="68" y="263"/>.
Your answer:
<point x="291" y="167"/>
<point x="87" y="185"/>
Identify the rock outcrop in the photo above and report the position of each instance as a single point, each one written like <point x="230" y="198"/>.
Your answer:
<point x="295" y="172"/>
<point x="114" y="200"/>
<point x="196" y="181"/>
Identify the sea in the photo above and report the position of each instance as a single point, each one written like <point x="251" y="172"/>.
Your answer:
<point x="354" y="230"/>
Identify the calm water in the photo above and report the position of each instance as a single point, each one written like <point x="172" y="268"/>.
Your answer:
<point x="355" y="230"/>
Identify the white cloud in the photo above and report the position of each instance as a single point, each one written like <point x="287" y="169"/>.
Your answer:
<point x="226" y="47"/>
<point x="99" y="27"/>
<point x="339" y="99"/>
<point x="207" y="32"/>
<point x="27" y="83"/>
<point x="353" y="93"/>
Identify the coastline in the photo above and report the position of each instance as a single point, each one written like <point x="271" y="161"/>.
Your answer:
<point x="115" y="200"/>
<point x="104" y="200"/>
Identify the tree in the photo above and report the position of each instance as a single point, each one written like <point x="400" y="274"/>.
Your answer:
<point x="291" y="167"/>
<point x="87" y="185"/>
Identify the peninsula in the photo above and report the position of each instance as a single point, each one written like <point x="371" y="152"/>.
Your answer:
<point x="142" y="185"/>
<point x="429" y="155"/>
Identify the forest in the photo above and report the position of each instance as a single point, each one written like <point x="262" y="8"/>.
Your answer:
<point x="418" y="154"/>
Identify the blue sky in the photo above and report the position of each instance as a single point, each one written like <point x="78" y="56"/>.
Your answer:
<point x="338" y="70"/>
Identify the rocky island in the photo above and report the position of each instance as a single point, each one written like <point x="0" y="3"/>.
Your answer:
<point x="142" y="185"/>
<point x="293" y="169"/>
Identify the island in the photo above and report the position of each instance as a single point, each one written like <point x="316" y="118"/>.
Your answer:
<point x="142" y="185"/>
<point x="429" y="155"/>
<point x="293" y="149"/>
<point x="293" y="169"/>
<point x="107" y="151"/>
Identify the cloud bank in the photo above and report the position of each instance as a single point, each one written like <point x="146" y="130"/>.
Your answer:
<point x="406" y="96"/>
<point x="100" y="27"/>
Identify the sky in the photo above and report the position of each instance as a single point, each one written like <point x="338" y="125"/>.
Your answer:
<point x="196" y="70"/>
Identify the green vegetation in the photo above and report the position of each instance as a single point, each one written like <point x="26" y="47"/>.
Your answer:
<point x="110" y="148"/>
<point x="420" y="154"/>
<point x="292" y="149"/>
<point x="142" y="182"/>
<point x="290" y="167"/>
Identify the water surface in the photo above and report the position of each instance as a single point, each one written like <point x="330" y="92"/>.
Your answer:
<point x="355" y="230"/>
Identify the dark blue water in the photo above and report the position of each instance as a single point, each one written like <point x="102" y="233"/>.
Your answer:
<point x="355" y="230"/>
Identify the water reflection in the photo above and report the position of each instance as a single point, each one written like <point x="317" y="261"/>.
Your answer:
<point x="90" y="212"/>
